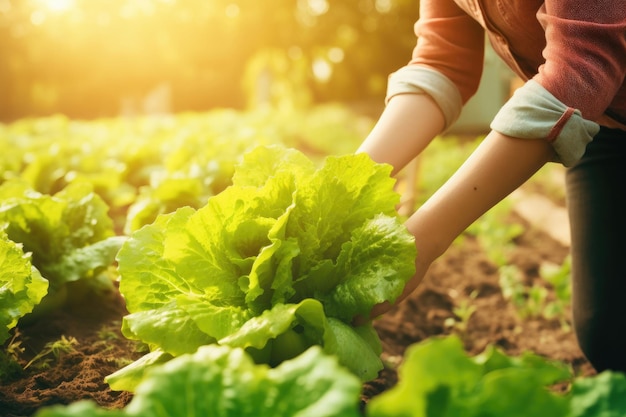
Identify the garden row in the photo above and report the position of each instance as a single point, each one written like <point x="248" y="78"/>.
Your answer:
<point x="244" y="246"/>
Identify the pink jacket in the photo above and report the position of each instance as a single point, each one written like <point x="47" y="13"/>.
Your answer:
<point x="571" y="52"/>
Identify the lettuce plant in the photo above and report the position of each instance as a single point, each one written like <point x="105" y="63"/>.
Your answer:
<point x="68" y="236"/>
<point x="283" y="259"/>
<point x="437" y="378"/>
<point x="602" y="395"/>
<point x="224" y="382"/>
<point x="21" y="285"/>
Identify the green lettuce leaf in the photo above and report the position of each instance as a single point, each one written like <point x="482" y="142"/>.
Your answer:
<point x="129" y="377"/>
<point x="21" y="285"/>
<point x="366" y="270"/>
<point x="221" y="381"/>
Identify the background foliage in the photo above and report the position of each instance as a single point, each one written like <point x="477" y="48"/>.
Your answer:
<point x="94" y="58"/>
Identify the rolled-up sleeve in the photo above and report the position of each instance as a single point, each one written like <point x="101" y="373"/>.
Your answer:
<point x="447" y="59"/>
<point x="584" y="68"/>
<point x="534" y="113"/>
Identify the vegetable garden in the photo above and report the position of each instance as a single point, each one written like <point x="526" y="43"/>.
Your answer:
<point x="212" y="264"/>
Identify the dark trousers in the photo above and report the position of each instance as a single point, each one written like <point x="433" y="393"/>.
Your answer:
<point x="596" y="199"/>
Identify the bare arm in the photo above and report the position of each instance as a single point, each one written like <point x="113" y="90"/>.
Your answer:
<point x="408" y="124"/>
<point x="496" y="168"/>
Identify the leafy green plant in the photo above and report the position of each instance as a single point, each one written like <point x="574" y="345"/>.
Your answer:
<point x="283" y="259"/>
<point x="535" y="300"/>
<point x="10" y="367"/>
<point x="21" y="285"/>
<point x="55" y="348"/>
<point x="496" y="235"/>
<point x="528" y="300"/>
<point x="513" y="289"/>
<point x="225" y="382"/>
<point x="438" y="378"/>
<point x="68" y="238"/>
<point x="599" y="396"/>
<point x="559" y="277"/>
<point x="463" y="311"/>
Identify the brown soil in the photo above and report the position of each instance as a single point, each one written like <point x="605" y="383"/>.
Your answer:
<point x="463" y="273"/>
<point x="100" y="350"/>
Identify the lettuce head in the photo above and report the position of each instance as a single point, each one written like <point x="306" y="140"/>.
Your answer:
<point x="283" y="259"/>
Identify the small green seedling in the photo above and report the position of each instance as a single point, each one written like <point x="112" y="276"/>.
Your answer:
<point x="56" y="348"/>
<point x="559" y="277"/>
<point x="462" y="314"/>
<point x="9" y="358"/>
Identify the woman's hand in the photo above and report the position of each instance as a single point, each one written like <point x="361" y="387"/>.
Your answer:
<point x="420" y="271"/>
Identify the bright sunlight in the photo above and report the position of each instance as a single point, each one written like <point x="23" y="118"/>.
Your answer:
<point x="57" y="5"/>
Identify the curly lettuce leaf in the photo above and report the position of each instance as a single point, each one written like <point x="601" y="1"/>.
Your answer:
<point x="222" y="381"/>
<point x="334" y="201"/>
<point x="366" y="270"/>
<point x="21" y="285"/>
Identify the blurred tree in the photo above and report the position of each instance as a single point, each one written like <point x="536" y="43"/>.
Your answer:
<point x="83" y="57"/>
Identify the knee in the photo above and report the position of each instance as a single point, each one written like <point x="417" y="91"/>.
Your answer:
<point x="602" y="342"/>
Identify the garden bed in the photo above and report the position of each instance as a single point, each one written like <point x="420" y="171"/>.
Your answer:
<point x="464" y="276"/>
<point x="490" y="288"/>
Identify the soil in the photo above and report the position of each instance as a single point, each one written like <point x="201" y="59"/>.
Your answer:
<point x="99" y="350"/>
<point x="463" y="274"/>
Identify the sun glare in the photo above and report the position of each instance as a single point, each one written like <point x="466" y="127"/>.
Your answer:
<point x="58" y="5"/>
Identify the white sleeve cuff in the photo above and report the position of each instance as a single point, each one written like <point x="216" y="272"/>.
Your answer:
<point x="421" y="80"/>
<point x="534" y="113"/>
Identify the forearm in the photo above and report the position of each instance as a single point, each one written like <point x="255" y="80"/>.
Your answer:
<point x="496" y="168"/>
<point x="407" y="125"/>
